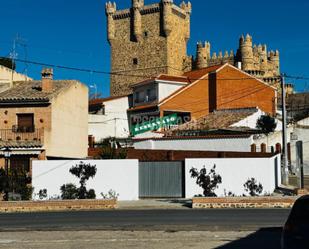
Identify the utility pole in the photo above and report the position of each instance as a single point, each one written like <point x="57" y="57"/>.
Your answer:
<point x="285" y="172"/>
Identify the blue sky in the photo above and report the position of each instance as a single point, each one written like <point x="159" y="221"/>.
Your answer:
<point x="73" y="33"/>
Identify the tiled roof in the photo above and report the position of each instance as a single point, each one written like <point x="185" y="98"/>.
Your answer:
<point x="102" y="100"/>
<point x="20" y="144"/>
<point x="197" y="74"/>
<point x="212" y="136"/>
<point x="216" y="120"/>
<point x="164" y="77"/>
<point x="173" y="78"/>
<point x="31" y="91"/>
<point x="141" y="107"/>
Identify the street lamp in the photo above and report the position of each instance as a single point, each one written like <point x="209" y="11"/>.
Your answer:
<point x="7" y="154"/>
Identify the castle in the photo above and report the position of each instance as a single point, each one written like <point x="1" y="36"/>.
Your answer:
<point x="147" y="40"/>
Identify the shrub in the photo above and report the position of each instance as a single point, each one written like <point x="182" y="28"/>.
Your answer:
<point x="110" y="195"/>
<point x="254" y="188"/>
<point x="84" y="172"/>
<point x="68" y="191"/>
<point x="266" y="124"/>
<point x="208" y="181"/>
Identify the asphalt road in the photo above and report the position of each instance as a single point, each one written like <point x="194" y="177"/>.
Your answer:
<point x="147" y="220"/>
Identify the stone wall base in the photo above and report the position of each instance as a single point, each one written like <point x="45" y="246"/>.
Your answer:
<point x="58" y="205"/>
<point x="243" y="202"/>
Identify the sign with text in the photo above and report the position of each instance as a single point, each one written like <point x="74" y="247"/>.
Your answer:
<point x="154" y="124"/>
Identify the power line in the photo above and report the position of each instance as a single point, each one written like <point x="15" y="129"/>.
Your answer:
<point x="122" y="73"/>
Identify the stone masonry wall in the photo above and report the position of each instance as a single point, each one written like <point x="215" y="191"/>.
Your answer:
<point x="243" y="202"/>
<point x="153" y="53"/>
<point x="36" y="206"/>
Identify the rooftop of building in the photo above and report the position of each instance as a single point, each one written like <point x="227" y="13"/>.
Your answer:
<point x="102" y="100"/>
<point x="163" y="77"/>
<point x="199" y="73"/>
<point x="20" y="144"/>
<point x="220" y="119"/>
<point x="31" y="91"/>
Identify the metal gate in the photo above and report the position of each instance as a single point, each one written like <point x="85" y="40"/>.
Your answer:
<point x="161" y="179"/>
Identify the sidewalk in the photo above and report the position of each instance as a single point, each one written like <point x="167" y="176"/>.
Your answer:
<point x="155" y="204"/>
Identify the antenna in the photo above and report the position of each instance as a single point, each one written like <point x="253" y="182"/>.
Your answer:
<point x="18" y="40"/>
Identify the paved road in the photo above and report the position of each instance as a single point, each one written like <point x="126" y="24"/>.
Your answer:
<point x="265" y="239"/>
<point x="147" y="220"/>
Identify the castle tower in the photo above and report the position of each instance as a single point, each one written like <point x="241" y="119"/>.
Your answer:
<point x="275" y="61"/>
<point x="110" y="9"/>
<point x="246" y="52"/>
<point x="146" y="40"/>
<point x="137" y="19"/>
<point x="202" y="55"/>
<point x="263" y="58"/>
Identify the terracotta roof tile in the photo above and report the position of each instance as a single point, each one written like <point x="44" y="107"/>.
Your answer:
<point x="141" y="107"/>
<point x="31" y="91"/>
<point x="21" y="144"/>
<point x="216" y="120"/>
<point x="197" y="74"/>
<point x="102" y="100"/>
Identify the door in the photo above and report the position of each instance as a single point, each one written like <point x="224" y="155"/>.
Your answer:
<point x="161" y="179"/>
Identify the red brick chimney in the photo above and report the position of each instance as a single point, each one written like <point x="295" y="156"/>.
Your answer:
<point x="47" y="80"/>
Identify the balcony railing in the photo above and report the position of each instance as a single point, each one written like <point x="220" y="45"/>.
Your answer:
<point x="23" y="129"/>
<point x="17" y="135"/>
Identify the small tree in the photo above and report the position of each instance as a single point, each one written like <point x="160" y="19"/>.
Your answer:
<point x="17" y="182"/>
<point x="253" y="187"/>
<point x="84" y="172"/>
<point x="266" y="124"/>
<point x="208" y="181"/>
<point x="68" y="191"/>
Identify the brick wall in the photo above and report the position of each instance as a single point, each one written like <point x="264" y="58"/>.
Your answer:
<point x="229" y="88"/>
<point x="231" y="92"/>
<point x="33" y="206"/>
<point x="166" y="155"/>
<point x="194" y="99"/>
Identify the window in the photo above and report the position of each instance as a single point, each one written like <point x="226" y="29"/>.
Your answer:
<point x="20" y="164"/>
<point x="137" y="97"/>
<point x="25" y="123"/>
<point x="146" y="33"/>
<point x="135" y="61"/>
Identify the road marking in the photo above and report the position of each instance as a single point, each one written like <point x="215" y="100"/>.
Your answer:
<point x="6" y="241"/>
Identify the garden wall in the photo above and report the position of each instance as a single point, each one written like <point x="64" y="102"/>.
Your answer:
<point x="118" y="175"/>
<point x="235" y="172"/>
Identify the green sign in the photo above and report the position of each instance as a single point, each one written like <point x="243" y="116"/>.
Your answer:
<point x="154" y="125"/>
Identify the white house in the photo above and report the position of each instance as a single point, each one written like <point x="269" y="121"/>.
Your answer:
<point x="108" y="118"/>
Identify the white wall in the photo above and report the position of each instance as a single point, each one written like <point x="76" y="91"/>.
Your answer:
<point x="302" y="135"/>
<point x="6" y="77"/>
<point x="304" y="121"/>
<point x="223" y="144"/>
<point x="234" y="172"/>
<point x="119" y="175"/>
<point x="272" y="139"/>
<point x="166" y="88"/>
<point x="251" y="121"/>
<point x="113" y="123"/>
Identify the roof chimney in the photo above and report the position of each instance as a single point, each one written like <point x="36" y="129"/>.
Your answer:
<point x="47" y="80"/>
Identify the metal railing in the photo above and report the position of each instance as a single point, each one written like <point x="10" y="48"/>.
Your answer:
<point x="17" y="135"/>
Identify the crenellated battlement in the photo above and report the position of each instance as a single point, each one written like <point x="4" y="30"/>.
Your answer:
<point x="110" y="8"/>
